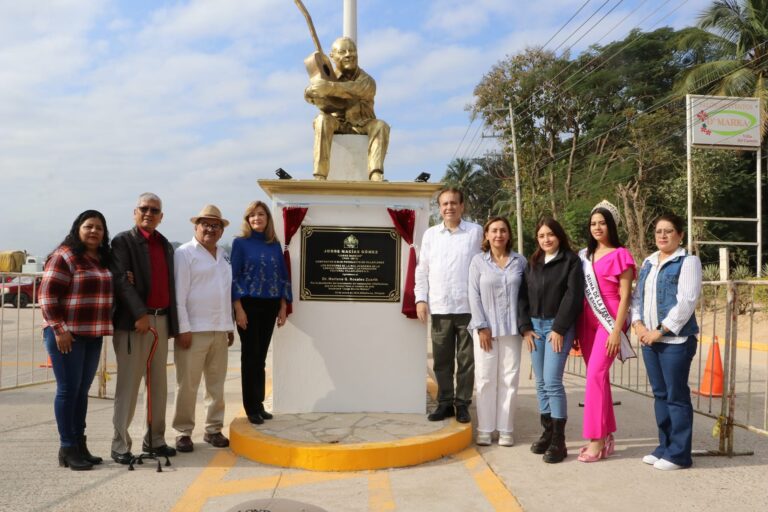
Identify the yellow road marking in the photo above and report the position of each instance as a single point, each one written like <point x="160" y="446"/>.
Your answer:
<point x="380" y="492"/>
<point x="757" y="346"/>
<point x="200" y="490"/>
<point x="211" y="481"/>
<point x="281" y="480"/>
<point x="490" y="485"/>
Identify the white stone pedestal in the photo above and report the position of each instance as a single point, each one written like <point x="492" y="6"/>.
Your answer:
<point x="349" y="158"/>
<point x="348" y="356"/>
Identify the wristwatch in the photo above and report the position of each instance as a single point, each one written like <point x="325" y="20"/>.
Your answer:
<point x="663" y="330"/>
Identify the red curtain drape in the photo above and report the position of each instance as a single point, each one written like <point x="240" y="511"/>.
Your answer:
<point x="405" y="221"/>
<point x="292" y="218"/>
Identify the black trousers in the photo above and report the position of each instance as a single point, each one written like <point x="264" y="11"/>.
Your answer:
<point x="261" y="314"/>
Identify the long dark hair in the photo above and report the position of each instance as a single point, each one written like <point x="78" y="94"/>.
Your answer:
<point x="73" y="242"/>
<point x="559" y="232"/>
<point x="613" y="231"/>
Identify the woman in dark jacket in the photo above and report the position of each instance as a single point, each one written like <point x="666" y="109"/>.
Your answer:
<point x="549" y="305"/>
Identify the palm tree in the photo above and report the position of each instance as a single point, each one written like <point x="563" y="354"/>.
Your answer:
<point x="461" y="173"/>
<point x="480" y="187"/>
<point x="736" y="32"/>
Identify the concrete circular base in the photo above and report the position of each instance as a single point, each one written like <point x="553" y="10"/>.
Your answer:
<point x="248" y="442"/>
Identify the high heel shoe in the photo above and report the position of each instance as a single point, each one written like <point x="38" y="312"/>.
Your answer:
<point x="86" y="454"/>
<point x="610" y="445"/>
<point x="70" y="457"/>
<point x="586" y="457"/>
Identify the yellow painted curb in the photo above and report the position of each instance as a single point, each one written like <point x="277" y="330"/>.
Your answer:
<point x="246" y="441"/>
<point x="757" y="346"/>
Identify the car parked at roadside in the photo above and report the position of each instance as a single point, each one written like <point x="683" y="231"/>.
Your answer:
<point x="20" y="291"/>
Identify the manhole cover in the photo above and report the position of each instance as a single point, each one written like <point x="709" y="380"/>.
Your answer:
<point x="276" y="505"/>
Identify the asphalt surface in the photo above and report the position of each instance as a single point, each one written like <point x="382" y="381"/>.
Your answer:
<point x="477" y="479"/>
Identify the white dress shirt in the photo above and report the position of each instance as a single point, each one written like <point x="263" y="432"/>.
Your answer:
<point x="442" y="273"/>
<point x="688" y="291"/>
<point x="203" y="289"/>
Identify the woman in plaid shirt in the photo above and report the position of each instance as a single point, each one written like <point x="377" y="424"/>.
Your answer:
<point x="76" y="302"/>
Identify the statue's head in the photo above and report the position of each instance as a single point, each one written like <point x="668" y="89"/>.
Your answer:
<point x="344" y="54"/>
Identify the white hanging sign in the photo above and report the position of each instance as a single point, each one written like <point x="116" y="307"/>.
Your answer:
<point x="725" y="121"/>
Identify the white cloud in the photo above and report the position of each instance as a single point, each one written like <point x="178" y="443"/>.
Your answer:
<point x="198" y="99"/>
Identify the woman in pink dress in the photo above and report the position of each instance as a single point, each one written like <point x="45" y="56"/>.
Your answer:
<point x="613" y="269"/>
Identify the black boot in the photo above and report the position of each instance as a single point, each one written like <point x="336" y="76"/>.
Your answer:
<point x="71" y="458"/>
<point x="544" y="441"/>
<point x="557" y="451"/>
<point x="86" y="454"/>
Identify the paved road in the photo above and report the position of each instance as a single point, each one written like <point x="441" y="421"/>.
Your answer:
<point x="477" y="479"/>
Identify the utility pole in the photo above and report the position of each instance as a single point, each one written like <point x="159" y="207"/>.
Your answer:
<point x="350" y="19"/>
<point x="518" y="193"/>
<point x="518" y="198"/>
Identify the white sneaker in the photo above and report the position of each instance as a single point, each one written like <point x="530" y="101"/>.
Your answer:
<point x="650" y="459"/>
<point x="483" y="439"/>
<point x="665" y="465"/>
<point x="506" y="439"/>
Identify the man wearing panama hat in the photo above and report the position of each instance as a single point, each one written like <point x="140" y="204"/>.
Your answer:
<point x="206" y="329"/>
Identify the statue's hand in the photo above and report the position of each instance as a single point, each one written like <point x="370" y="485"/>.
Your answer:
<point x="319" y="88"/>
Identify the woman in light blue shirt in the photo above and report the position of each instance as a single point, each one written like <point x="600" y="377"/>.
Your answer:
<point x="663" y="307"/>
<point x="495" y="278"/>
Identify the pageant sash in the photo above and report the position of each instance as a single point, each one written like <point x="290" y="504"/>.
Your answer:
<point x="595" y="300"/>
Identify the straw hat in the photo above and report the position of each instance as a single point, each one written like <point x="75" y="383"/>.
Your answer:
<point x="209" y="211"/>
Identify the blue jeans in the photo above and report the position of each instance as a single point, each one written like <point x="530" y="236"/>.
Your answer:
<point x="548" y="367"/>
<point x="668" y="367"/>
<point x="74" y="374"/>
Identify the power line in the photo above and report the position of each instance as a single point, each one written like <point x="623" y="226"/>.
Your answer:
<point x="659" y="105"/>
<point x="566" y="23"/>
<point x="558" y="95"/>
<point x="463" y="137"/>
<point x="548" y="41"/>
<point x="471" y="142"/>
<point x="596" y="24"/>
<point x="578" y="71"/>
<point x="582" y="25"/>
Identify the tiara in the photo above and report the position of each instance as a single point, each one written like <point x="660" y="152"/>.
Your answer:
<point x="606" y="205"/>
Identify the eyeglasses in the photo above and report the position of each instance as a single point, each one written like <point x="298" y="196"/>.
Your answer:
<point x="145" y="209"/>
<point x="212" y="227"/>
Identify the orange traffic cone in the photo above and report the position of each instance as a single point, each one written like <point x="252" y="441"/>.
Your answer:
<point x="575" y="350"/>
<point x="46" y="365"/>
<point x="712" y="380"/>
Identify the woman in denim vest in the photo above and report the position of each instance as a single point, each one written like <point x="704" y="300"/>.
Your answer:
<point x="663" y="307"/>
<point x="548" y="306"/>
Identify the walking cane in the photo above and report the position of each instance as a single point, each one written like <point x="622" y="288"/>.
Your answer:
<point x="149" y="454"/>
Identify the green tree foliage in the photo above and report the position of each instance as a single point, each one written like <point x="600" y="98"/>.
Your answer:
<point x="479" y="180"/>
<point x="606" y="124"/>
<point x="734" y="35"/>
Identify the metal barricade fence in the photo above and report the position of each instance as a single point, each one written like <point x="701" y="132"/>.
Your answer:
<point x="23" y="358"/>
<point x="729" y="374"/>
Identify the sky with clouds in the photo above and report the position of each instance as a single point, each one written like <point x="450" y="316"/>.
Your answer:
<point x="196" y="100"/>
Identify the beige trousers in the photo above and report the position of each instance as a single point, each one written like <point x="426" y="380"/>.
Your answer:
<point x="131" y="368"/>
<point x="206" y="356"/>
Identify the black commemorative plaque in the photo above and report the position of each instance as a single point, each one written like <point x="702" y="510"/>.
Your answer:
<point x="350" y="264"/>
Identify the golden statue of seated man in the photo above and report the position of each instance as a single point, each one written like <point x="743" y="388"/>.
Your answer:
<point x="346" y="106"/>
